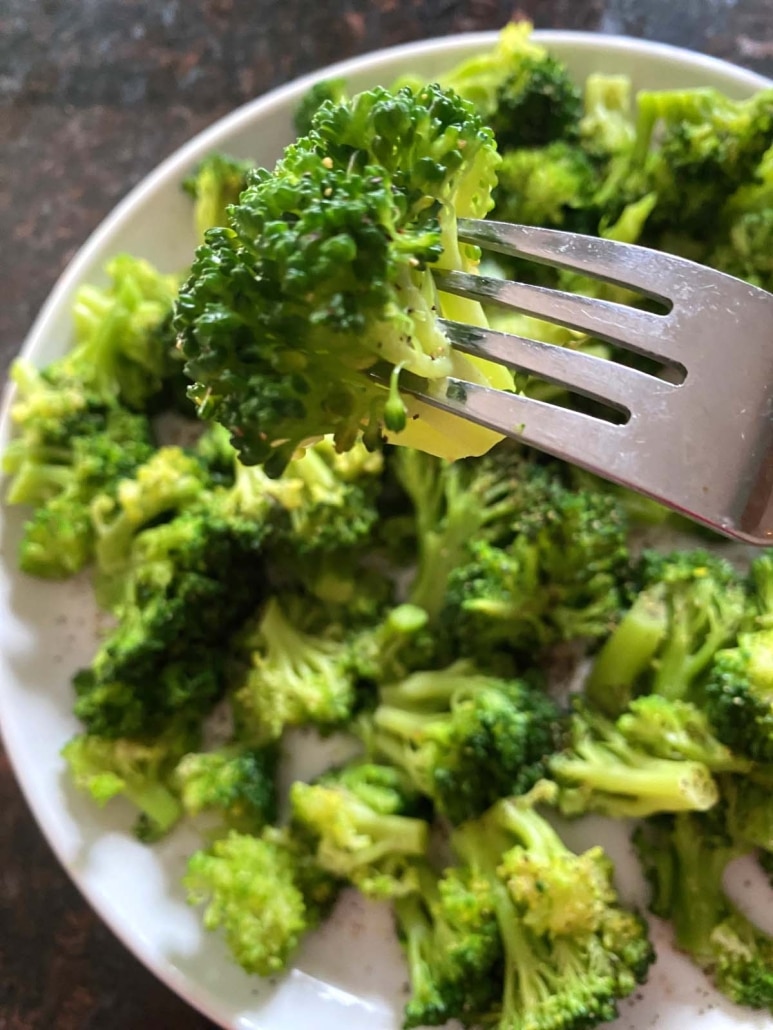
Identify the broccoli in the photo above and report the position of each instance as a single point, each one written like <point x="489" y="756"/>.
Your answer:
<point x="571" y="951"/>
<point x="738" y="696"/>
<point x="560" y="577"/>
<point x="294" y="679"/>
<point x="449" y="933"/>
<point x="749" y="809"/>
<point x="124" y="347"/>
<point x="690" y="604"/>
<point x="465" y="739"/>
<point x="236" y="781"/>
<point x="216" y="183"/>
<point x="324" y="272"/>
<point x="333" y="90"/>
<point x="745" y="248"/>
<point x="69" y="448"/>
<point x="602" y="771"/>
<point x="138" y="769"/>
<point x="363" y="823"/>
<point x="523" y="93"/>
<point x="263" y="891"/>
<point x="685" y="857"/>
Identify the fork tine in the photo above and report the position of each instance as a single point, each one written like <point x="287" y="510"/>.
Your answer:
<point x="586" y="374"/>
<point x="627" y="327"/>
<point x="656" y="275"/>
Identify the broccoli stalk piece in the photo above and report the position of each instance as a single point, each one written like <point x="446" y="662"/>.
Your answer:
<point x="449" y="933"/>
<point x="138" y="769"/>
<point x="690" y="605"/>
<point x="604" y="772"/>
<point x="465" y="739"/>
<point x="324" y="272"/>
<point x="216" y="183"/>
<point x="361" y="822"/>
<point x="571" y="951"/>
<point x="237" y="782"/>
<point x="295" y="679"/>
<point x="263" y="892"/>
<point x="685" y="857"/>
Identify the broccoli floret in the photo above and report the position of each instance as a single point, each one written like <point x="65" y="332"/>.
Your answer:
<point x="685" y="857"/>
<point x="709" y="145"/>
<point x="294" y="679"/>
<point x="571" y="951"/>
<point x="602" y="771"/>
<point x="262" y="893"/>
<point x="551" y="186"/>
<point x="168" y="482"/>
<point x="746" y="245"/>
<point x="138" y="769"/>
<point x="324" y="273"/>
<point x="333" y="90"/>
<point x="749" y="809"/>
<point x="523" y="93"/>
<point x="236" y="781"/>
<point x="362" y="822"/>
<point x="465" y="739"/>
<point x="216" y="183"/>
<point x="124" y="347"/>
<point x="690" y="604"/>
<point x="449" y="933"/>
<point x="560" y="577"/>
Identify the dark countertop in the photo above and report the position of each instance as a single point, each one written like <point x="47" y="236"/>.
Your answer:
<point x="93" y="94"/>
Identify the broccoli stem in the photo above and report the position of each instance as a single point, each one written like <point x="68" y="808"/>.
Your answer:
<point x="627" y="654"/>
<point x="676" y="668"/>
<point x="391" y="834"/>
<point x="158" y="805"/>
<point x="427" y="690"/>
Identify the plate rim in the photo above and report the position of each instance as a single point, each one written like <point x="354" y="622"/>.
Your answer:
<point x="172" y="168"/>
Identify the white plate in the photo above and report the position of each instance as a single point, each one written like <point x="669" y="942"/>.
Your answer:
<point x="349" y="974"/>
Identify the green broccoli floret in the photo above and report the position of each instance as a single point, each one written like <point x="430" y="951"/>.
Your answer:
<point x="324" y="273"/>
<point x="168" y="482"/>
<point x="237" y="782"/>
<point x="749" y="809"/>
<point x="262" y="892"/>
<point x="216" y="183"/>
<point x="332" y="90"/>
<point x="295" y="678"/>
<point x="708" y="146"/>
<point x="191" y="583"/>
<point x="602" y="771"/>
<point x="560" y="577"/>
<point x="449" y="933"/>
<point x="747" y="222"/>
<point x="124" y="347"/>
<point x="464" y="739"/>
<point x="363" y="824"/>
<point x="690" y="604"/>
<point x="523" y="93"/>
<point x="138" y="769"/>
<point x="571" y="951"/>
<point x="685" y="857"/>
<point x="69" y="448"/>
<point x="551" y="186"/>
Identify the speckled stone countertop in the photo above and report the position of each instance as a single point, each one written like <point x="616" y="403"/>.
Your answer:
<point x="93" y="94"/>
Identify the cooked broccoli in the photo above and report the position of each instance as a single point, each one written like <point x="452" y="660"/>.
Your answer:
<point x="363" y="824"/>
<point x="264" y="894"/>
<point x="602" y="771"/>
<point x="449" y="932"/>
<point x="552" y="186"/>
<point x="333" y="90"/>
<point x="69" y="448"/>
<point x="138" y="769"/>
<point x="571" y="951"/>
<point x="690" y="604"/>
<point x="294" y="679"/>
<point x="217" y="182"/>
<point x="747" y="221"/>
<point x="464" y="739"/>
<point x="749" y="809"/>
<point x="685" y="857"/>
<point x="324" y="273"/>
<point x="560" y="577"/>
<point x="236" y="781"/>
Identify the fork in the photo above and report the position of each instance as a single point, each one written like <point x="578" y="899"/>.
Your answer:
<point x="698" y="438"/>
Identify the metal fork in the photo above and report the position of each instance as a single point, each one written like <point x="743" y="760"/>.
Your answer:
<point x="702" y="444"/>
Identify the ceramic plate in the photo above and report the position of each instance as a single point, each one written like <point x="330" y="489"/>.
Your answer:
<point x="350" y="974"/>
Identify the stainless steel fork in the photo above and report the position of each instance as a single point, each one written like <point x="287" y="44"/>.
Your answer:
<point x="699" y="440"/>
